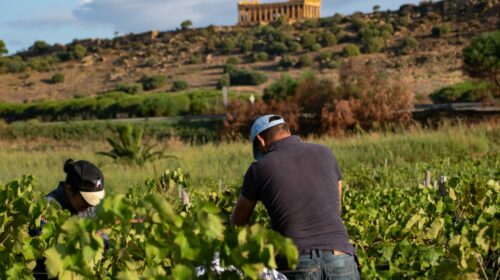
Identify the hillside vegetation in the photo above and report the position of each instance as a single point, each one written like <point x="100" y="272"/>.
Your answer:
<point x="417" y="44"/>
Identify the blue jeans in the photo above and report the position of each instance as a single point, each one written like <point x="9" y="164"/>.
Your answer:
<point x="324" y="265"/>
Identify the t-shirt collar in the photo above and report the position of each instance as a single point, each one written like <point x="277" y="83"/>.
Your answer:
<point x="283" y="142"/>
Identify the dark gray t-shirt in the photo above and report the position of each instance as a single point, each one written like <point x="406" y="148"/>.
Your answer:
<point x="298" y="185"/>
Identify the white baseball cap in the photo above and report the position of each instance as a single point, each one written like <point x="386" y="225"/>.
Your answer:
<point x="259" y="125"/>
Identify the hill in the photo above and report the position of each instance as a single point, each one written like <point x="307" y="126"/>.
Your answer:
<point x="419" y="44"/>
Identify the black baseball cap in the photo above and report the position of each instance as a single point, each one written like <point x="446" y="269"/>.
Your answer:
<point x="87" y="178"/>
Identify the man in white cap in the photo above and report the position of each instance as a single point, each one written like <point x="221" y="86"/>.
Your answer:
<point x="300" y="186"/>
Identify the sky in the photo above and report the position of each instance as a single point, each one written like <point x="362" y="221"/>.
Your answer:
<point x="22" y="22"/>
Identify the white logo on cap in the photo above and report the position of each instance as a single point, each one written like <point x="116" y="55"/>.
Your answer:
<point x="98" y="184"/>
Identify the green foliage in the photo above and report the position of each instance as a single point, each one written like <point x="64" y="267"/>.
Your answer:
<point x="228" y="68"/>
<point x="196" y="58"/>
<point x="286" y="62"/>
<point x="309" y="40"/>
<point x="39" y="47"/>
<point x="482" y="57"/>
<point x="246" y="78"/>
<point x="78" y="51"/>
<point x="295" y="47"/>
<point x="350" y="50"/>
<point x="129" y="147"/>
<point x="329" y="39"/>
<point x="186" y="24"/>
<point x="278" y="48"/>
<point x="248" y="45"/>
<point x="305" y="60"/>
<point x="466" y="92"/>
<point x="180" y="85"/>
<point x="316" y="47"/>
<point x="373" y="45"/>
<point x="261" y="56"/>
<point x="224" y="81"/>
<point x="131" y="88"/>
<point x="228" y="45"/>
<point x="153" y="82"/>
<point x="409" y="44"/>
<point x="14" y="64"/>
<point x="281" y="89"/>
<point x="233" y="60"/>
<point x="57" y="78"/>
<point x="441" y="30"/>
<point x="3" y="48"/>
<point x="42" y="63"/>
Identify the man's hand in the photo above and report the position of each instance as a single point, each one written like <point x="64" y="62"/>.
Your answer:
<point x="242" y="211"/>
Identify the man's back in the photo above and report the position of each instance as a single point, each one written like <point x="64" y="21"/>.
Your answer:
<point x="298" y="184"/>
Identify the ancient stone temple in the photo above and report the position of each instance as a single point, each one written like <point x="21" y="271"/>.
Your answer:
<point x="253" y="12"/>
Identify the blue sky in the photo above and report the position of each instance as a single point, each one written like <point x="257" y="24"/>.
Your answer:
<point x="60" y="21"/>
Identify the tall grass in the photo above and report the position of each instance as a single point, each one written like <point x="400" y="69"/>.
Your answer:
<point x="212" y="164"/>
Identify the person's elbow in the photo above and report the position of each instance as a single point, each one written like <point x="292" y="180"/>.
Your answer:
<point x="242" y="211"/>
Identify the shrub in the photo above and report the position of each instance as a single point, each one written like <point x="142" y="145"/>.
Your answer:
<point x="78" y="51"/>
<point x="481" y="57"/>
<point x="153" y="82"/>
<point x="131" y="88"/>
<point x="186" y="24"/>
<point x="246" y="78"/>
<point x="224" y="81"/>
<point x="261" y="56"/>
<point x="316" y="47"/>
<point x="233" y="60"/>
<point x="325" y="58"/>
<point x="196" y="58"/>
<point x="281" y="89"/>
<point x="39" y="47"/>
<point x="278" y="48"/>
<point x="228" y="45"/>
<point x="57" y="78"/>
<point x="308" y="40"/>
<point x="248" y="45"/>
<point x="373" y="45"/>
<point x="439" y="31"/>
<point x="42" y="64"/>
<point x="329" y="39"/>
<point x="305" y="60"/>
<point x="342" y="36"/>
<point x="228" y="68"/>
<point x="350" y="50"/>
<point x="295" y="47"/>
<point x="180" y="85"/>
<point x="3" y="48"/>
<point x="409" y="44"/>
<point x="14" y="64"/>
<point x="286" y="62"/>
<point x="466" y="92"/>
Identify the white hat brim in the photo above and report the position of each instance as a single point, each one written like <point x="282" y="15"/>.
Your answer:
<point x="93" y="198"/>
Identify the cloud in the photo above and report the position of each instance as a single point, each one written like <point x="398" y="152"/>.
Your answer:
<point x="142" y="15"/>
<point x="53" y="19"/>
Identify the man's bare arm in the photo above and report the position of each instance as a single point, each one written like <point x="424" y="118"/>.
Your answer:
<point x="242" y="211"/>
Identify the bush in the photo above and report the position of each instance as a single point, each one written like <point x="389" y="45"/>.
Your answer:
<point x="57" y="78"/>
<point x="180" y="85"/>
<point x="286" y="62"/>
<point x="278" y="48"/>
<point x="409" y="44"/>
<point x="246" y="78"/>
<point x="329" y="39"/>
<point x="228" y="68"/>
<point x="131" y="88"/>
<point x="78" y="51"/>
<point x="186" y="24"/>
<point x="481" y="57"/>
<point x="373" y="45"/>
<point x="39" y="47"/>
<point x="305" y="60"/>
<point x="466" y="92"/>
<point x="233" y="60"/>
<point x="42" y="63"/>
<point x="153" y="82"/>
<point x="224" y="81"/>
<point x="281" y="89"/>
<point x="14" y="64"/>
<point x="261" y="56"/>
<point x="248" y="46"/>
<point x="350" y="50"/>
<point x="228" y="45"/>
<point x="439" y="31"/>
<point x="195" y="58"/>
<point x="316" y="47"/>
<point x="3" y="48"/>
<point x="295" y="47"/>
<point x="308" y="40"/>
